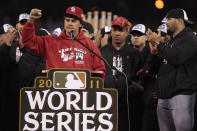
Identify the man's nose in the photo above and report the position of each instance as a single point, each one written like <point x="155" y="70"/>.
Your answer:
<point x="117" y="33"/>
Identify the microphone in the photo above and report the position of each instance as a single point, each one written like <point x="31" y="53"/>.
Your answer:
<point x="72" y="36"/>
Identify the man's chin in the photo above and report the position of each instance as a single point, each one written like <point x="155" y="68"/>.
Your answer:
<point x="69" y="29"/>
<point x="118" y="42"/>
<point x="170" y="32"/>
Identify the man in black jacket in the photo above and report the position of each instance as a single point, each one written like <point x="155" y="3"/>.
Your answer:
<point x="19" y="66"/>
<point x="177" y="74"/>
<point x="8" y="80"/>
<point x="124" y="58"/>
<point x="29" y="63"/>
<point x="148" y="100"/>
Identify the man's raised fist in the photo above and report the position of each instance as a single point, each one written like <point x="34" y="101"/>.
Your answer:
<point x="35" y="14"/>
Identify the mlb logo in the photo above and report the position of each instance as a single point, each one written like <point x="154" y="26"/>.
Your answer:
<point x="69" y="80"/>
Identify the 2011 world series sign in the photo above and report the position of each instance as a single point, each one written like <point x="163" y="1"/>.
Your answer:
<point x="68" y="100"/>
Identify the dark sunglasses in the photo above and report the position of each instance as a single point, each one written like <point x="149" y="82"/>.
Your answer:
<point x="22" y="22"/>
<point x="163" y="34"/>
<point x="138" y="34"/>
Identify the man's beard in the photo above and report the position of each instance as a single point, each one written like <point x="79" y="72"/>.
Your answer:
<point x="170" y="32"/>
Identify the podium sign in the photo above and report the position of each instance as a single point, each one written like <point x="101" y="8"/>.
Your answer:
<point x="68" y="100"/>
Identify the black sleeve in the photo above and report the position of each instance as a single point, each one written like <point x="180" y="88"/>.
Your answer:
<point x="13" y="51"/>
<point x="25" y="49"/>
<point x="145" y="52"/>
<point x="4" y="49"/>
<point x="185" y="49"/>
<point x="137" y="65"/>
<point x="153" y="62"/>
<point x="145" y="56"/>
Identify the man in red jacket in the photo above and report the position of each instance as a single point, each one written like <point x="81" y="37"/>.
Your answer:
<point x="60" y="52"/>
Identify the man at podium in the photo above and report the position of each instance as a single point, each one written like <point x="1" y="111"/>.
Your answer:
<point x="63" y="51"/>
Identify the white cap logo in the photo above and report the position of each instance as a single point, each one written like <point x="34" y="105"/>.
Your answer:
<point x="23" y="16"/>
<point x="73" y="9"/>
<point x="163" y="28"/>
<point x="107" y="28"/>
<point x="140" y="27"/>
<point x="6" y="27"/>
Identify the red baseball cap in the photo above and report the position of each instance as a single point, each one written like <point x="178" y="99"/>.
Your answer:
<point x="122" y="22"/>
<point x="74" y="10"/>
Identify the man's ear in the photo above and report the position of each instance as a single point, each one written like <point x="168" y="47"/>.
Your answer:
<point x="80" y="25"/>
<point x="180" y="20"/>
<point x="92" y="35"/>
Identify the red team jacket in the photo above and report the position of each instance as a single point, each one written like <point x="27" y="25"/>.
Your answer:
<point x="60" y="52"/>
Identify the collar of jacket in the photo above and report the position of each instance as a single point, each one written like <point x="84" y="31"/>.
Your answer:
<point x="111" y="46"/>
<point x="186" y="29"/>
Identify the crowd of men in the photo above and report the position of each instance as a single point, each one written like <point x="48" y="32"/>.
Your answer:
<point x="155" y="72"/>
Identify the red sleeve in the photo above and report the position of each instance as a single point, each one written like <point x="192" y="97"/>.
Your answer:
<point x="33" y="42"/>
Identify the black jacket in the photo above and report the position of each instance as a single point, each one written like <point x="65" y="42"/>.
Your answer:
<point x="8" y="76"/>
<point x="15" y="75"/>
<point x="178" y="65"/>
<point x="148" y="81"/>
<point x="130" y="61"/>
<point x="8" y="84"/>
<point x="29" y="65"/>
<point x="127" y="60"/>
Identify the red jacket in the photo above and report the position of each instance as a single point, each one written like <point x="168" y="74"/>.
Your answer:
<point x="60" y="52"/>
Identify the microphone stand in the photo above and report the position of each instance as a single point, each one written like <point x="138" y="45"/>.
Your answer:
<point x="141" y="88"/>
<point x="118" y="72"/>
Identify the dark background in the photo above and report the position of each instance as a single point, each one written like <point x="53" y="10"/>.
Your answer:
<point x="137" y="11"/>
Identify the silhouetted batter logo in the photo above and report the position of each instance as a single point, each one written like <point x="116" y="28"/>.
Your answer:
<point x="69" y="80"/>
<point x="68" y="100"/>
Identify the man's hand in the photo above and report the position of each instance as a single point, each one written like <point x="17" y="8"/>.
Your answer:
<point x="154" y="95"/>
<point x="34" y="15"/>
<point x="153" y="49"/>
<point x="10" y="36"/>
<point x="142" y="72"/>
<point x="20" y="44"/>
<point x="2" y="39"/>
<point x="153" y="37"/>
<point x="133" y="88"/>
